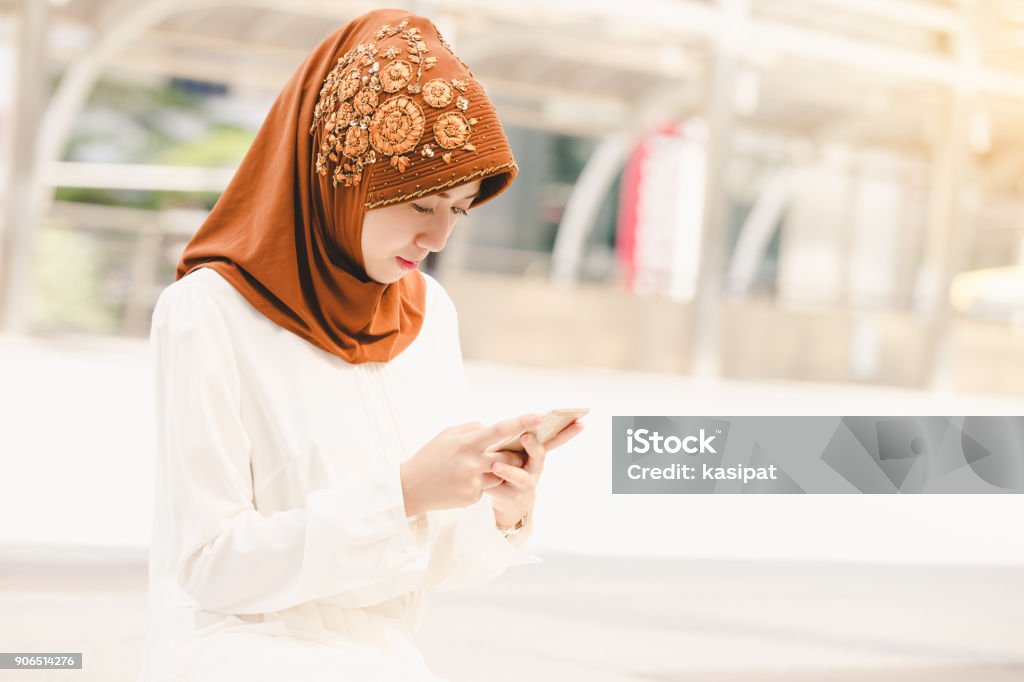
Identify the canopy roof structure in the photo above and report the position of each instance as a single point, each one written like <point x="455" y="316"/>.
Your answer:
<point x="592" y="67"/>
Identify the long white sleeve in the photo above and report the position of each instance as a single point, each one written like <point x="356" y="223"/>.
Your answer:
<point x="354" y="540"/>
<point x="468" y="550"/>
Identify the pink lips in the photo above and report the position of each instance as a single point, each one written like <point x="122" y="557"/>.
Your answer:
<point x="407" y="264"/>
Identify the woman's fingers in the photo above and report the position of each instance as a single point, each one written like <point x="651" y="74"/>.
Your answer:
<point x="463" y="428"/>
<point x="516" y="459"/>
<point x="513" y="475"/>
<point x="520" y="470"/>
<point x="496" y="433"/>
<point x="537" y="454"/>
<point x="490" y="480"/>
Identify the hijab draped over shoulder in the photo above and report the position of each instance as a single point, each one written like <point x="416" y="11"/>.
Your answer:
<point x="381" y="111"/>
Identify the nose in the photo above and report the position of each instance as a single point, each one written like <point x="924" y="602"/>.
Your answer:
<point x="435" y="235"/>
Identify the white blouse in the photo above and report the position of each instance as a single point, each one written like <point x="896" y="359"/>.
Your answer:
<point x="280" y="546"/>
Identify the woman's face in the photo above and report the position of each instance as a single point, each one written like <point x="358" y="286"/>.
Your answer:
<point x="411" y="230"/>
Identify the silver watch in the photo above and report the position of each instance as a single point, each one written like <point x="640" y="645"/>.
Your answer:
<point x="508" y="532"/>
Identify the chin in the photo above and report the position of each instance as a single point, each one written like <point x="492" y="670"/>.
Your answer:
<point x="394" y="277"/>
<point x="388" y="276"/>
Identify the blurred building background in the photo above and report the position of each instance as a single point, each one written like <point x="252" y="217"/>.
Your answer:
<point x="724" y="206"/>
<point x="798" y="189"/>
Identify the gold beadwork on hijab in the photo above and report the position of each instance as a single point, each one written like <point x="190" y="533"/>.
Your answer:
<point x="396" y="126"/>
<point x="437" y="93"/>
<point x="451" y="130"/>
<point x="356" y="123"/>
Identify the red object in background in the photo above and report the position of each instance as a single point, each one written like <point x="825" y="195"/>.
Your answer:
<point x="660" y="209"/>
<point x="625" y="236"/>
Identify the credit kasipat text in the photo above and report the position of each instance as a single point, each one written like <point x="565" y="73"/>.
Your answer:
<point x="644" y="441"/>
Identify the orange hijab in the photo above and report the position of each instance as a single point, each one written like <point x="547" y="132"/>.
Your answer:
<point x="382" y="111"/>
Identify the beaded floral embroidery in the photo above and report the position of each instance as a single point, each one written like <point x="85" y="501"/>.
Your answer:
<point x="367" y="108"/>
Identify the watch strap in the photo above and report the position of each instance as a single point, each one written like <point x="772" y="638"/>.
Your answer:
<point x="508" y="532"/>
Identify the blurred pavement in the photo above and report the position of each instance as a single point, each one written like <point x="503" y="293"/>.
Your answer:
<point x="601" y="619"/>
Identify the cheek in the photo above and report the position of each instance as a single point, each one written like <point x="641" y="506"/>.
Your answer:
<point x="386" y="232"/>
<point x="374" y="238"/>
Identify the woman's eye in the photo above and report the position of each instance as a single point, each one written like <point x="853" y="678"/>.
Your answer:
<point x="427" y="210"/>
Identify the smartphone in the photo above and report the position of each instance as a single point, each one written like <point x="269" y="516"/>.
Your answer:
<point x="554" y="421"/>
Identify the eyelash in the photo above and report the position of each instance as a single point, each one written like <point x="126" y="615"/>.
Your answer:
<point x="458" y="211"/>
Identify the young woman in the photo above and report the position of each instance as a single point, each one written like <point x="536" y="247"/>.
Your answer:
<point x="317" y="473"/>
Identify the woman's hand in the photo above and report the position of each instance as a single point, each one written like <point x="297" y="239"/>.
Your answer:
<point x="454" y="468"/>
<point x="516" y="494"/>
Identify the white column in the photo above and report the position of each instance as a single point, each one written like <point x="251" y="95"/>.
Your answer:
<point x="30" y="84"/>
<point x="731" y="37"/>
